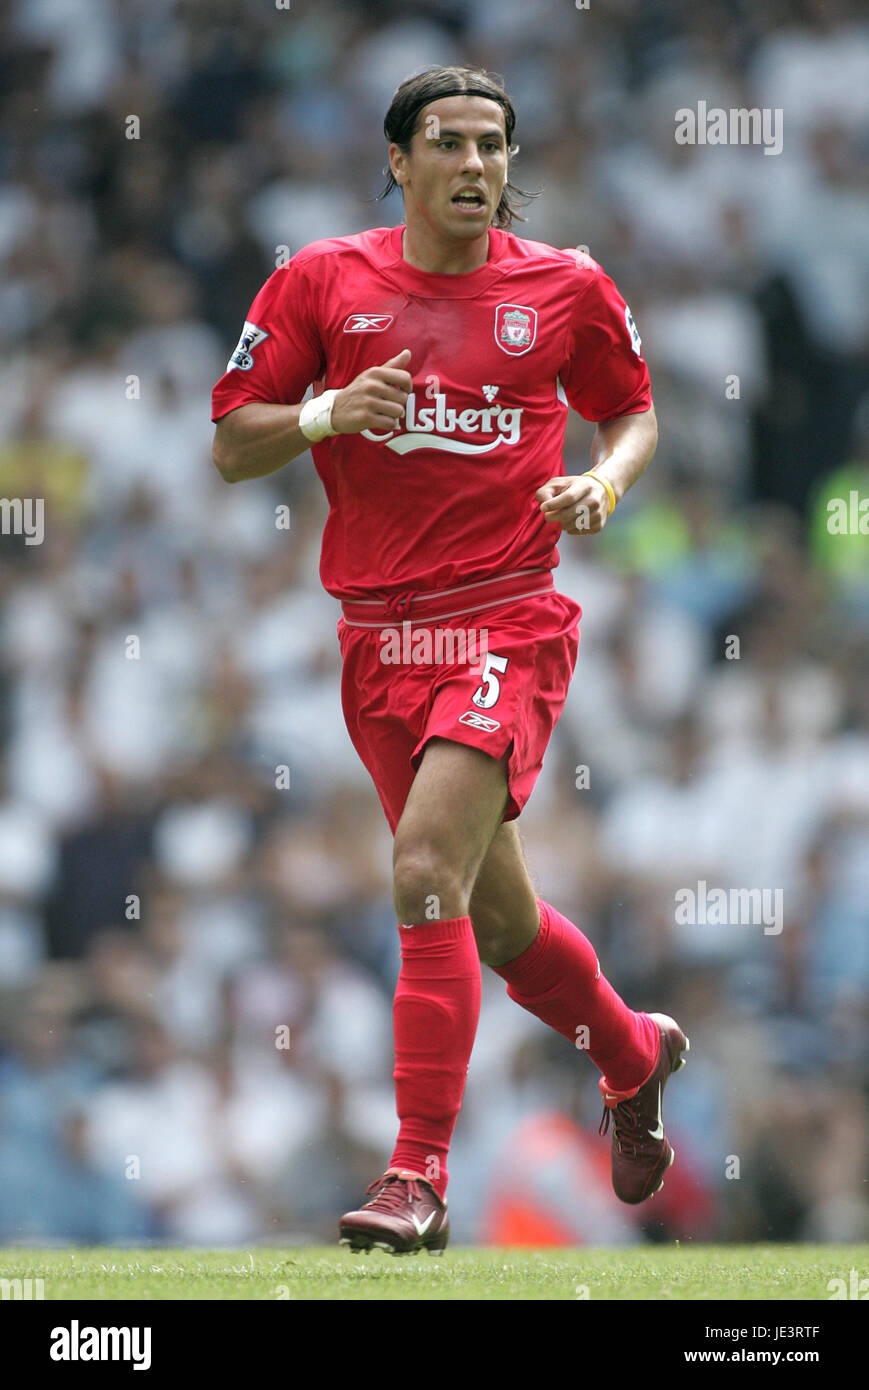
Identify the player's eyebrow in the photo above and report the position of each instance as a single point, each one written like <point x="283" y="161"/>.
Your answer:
<point x="486" y="135"/>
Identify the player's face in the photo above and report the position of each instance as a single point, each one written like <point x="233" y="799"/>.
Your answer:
<point x="455" y="172"/>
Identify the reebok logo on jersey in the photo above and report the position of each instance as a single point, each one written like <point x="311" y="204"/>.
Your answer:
<point x="251" y="337"/>
<point x="367" y="323"/>
<point x="479" y="721"/>
<point x="426" y="428"/>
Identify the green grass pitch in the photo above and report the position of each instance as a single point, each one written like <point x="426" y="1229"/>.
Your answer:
<point x="686" y="1272"/>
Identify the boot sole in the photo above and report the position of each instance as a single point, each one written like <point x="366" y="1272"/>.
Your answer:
<point x="363" y="1245"/>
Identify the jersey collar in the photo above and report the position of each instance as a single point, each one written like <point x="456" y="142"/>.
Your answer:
<point x="429" y="285"/>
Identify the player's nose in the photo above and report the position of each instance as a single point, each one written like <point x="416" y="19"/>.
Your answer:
<point x="472" y="161"/>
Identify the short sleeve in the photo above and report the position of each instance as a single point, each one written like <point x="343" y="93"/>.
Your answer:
<point x="279" y="352"/>
<point x="604" y="375"/>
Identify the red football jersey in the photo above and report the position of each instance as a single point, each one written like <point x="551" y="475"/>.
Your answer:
<point x="447" y="497"/>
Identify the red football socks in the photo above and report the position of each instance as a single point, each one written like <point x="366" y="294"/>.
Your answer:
<point x="558" y="979"/>
<point x="435" y="1015"/>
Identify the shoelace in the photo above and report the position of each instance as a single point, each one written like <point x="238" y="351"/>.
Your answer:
<point x="389" y="1193"/>
<point x="624" y="1126"/>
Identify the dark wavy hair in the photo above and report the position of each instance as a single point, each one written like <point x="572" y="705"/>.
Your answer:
<point x="402" y="121"/>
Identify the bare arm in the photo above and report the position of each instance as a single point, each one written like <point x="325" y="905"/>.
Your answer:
<point x="620" y="451"/>
<point x="622" y="448"/>
<point x="260" y="438"/>
<point x="257" y="439"/>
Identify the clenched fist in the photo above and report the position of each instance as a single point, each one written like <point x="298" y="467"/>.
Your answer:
<point x="579" y="505"/>
<point x="375" y="399"/>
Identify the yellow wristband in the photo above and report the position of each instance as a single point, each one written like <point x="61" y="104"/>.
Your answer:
<point x="590" y="473"/>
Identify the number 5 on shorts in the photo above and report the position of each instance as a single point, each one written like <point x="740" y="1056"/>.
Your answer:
<point x="486" y="695"/>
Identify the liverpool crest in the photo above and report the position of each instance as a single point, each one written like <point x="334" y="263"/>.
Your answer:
<point x="515" y="328"/>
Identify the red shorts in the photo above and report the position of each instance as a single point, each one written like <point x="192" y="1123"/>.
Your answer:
<point x="401" y="689"/>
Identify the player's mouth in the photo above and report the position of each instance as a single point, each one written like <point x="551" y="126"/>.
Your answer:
<point x="469" y="201"/>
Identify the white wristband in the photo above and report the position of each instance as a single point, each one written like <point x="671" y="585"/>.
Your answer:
<point x="315" y="417"/>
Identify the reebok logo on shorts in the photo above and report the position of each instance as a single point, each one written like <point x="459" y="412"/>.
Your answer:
<point x="479" y="721"/>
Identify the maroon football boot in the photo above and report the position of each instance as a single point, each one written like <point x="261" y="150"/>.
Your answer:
<point x="404" y="1215"/>
<point x="641" y="1154"/>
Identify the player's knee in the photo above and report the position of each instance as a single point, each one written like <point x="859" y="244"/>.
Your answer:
<point x="426" y="886"/>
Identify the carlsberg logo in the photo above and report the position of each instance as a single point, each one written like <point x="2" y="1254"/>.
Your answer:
<point x="427" y="428"/>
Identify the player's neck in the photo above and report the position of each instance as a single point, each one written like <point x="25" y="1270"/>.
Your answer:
<point x="425" y="251"/>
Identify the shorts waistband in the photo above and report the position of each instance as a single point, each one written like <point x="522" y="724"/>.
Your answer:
<point x="447" y="603"/>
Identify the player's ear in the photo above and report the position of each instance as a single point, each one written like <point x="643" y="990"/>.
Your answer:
<point x="397" y="164"/>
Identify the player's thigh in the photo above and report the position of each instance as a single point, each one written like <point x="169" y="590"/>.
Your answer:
<point x="503" y="909"/>
<point x="452" y="812"/>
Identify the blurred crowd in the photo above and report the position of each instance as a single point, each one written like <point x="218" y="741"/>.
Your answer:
<point x="197" y="940"/>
